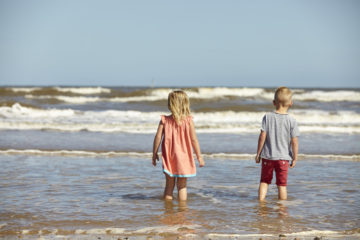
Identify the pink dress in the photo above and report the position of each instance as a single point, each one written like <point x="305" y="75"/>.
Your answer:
<point x="177" y="152"/>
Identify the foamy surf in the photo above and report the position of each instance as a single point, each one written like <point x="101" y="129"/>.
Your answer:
<point x="67" y="99"/>
<point x="76" y="90"/>
<point x="18" y="117"/>
<point x="179" y="231"/>
<point x="183" y="230"/>
<point x="147" y="155"/>
<point x="75" y="153"/>
<point x="158" y="94"/>
<point x="84" y="90"/>
<point x="310" y="235"/>
<point x="76" y="164"/>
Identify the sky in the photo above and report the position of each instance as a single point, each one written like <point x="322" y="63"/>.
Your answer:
<point x="255" y="43"/>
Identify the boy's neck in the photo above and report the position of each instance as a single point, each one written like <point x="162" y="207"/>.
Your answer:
<point x="281" y="109"/>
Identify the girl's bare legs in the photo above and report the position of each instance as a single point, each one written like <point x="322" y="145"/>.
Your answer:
<point x="169" y="187"/>
<point x="181" y="186"/>
<point x="282" y="192"/>
<point x="263" y="190"/>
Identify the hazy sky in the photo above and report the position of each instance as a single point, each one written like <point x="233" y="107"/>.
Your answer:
<point x="180" y="43"/>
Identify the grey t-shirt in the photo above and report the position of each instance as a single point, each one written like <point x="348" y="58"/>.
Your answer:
<point x="279" y="128"/>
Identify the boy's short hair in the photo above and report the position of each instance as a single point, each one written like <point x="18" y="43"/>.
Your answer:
<point x="283" y="96"/>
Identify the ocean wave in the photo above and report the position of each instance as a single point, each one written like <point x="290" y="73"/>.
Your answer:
<point x="74" y="153"/>
<point x="84" y="100"/>
<point x="67" y="99"/>
<point x="84" y="90"/>
<point x="173" y="230"/>
<point x="23" y="89"/>
<point x="260" y="93"/>
<point x="110" y="232"/>
<point x="312" y="234"/>
<point x="53" y="90"/>
<point x="328" y="96"/>
<point x="161" y="94"/>
<point x="111" y="154"/>
<point x="151" y="128"/>
<point x="26" y="118"/>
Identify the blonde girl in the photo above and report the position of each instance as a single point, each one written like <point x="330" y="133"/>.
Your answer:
<point x="178" y="136"/>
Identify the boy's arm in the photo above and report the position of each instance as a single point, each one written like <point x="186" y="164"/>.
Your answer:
<point x="261" y="142"/>
<point x="156" y="144"/>
<point x="195" y="144"/>
<point x="295" y="150"/>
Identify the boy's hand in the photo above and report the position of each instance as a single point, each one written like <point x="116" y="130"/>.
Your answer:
<point x="154" y="158"/>
<point x="293" y="163"/>
<point x="257" y="159"/>
<point x="201" y="162"/>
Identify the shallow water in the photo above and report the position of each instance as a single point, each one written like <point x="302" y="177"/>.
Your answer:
<point x="75" y="163"/>
<point x="83" y="196"/>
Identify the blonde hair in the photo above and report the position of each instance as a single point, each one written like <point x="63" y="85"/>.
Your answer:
<point x="283" y="96"/>
<point x="179" y="105"/>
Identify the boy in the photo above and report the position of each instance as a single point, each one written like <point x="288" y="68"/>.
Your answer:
<point x="278" y="144"/>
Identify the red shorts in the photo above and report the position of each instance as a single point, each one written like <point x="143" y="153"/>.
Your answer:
<point x="281" y="171"/>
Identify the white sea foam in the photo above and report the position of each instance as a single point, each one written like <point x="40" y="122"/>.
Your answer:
<point x="75" y="153"/>
<point x="84" y="90"/>
<point x="165" y="229"/>
<point x="310" y="121"/>
<point x="110" y="154"/>
<point x="76" y="90"/>
<point x="210" y="197"/>
<point x="209" y="93"/>
<point x="312" y="233"/>
<point x="67" y="99"/>
<point x="25" y="231"/>
<point x="108" y="233"/>
<point x="199" y="93"/>
<point x="328" y="96"/>
<point x="21" y="89"/>
<point x="101" y="231"/>
<point x="236" y="236"/>
<point x="299" y="94"/>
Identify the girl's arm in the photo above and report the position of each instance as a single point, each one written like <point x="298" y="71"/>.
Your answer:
<point x="157" y="141"/>
<point x="195" y="144"/>
<point x="295" y="150"/>
<point x="261" y="141"/>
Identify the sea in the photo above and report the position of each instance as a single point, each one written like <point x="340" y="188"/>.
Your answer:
<point x="75" y="163"/>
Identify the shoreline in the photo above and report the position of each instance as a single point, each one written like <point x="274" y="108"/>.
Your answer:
<point x="112" y="154"/>
<point x="173" y="232"/>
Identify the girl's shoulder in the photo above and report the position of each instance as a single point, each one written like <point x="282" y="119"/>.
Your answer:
<point x="165" y="118"/>
<point x="169" y="118"/>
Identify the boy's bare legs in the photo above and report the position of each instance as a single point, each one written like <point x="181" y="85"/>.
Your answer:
<point x="282" y="192"/>
<point x="169" y="187"/>
<point x="263" y="187"/>
<point x="181" y="186"/>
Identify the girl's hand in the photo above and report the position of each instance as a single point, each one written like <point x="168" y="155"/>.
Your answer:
<point x="154" y="158"/>
<point x="257" y="159"/>
<point x="201" y="162"/>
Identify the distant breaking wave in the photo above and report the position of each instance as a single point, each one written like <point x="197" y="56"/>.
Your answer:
<point x="18" y="117"/>
<point x="234" y="156"/>
<point x="100" y="94"/>
<point x="76" y="90"/>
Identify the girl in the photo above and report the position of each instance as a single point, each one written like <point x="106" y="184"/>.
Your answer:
<point x="179" y="139"/>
